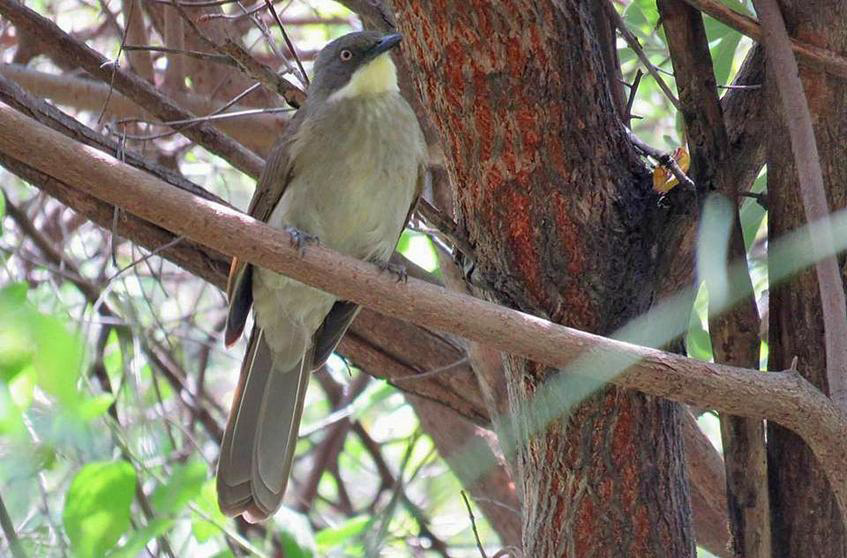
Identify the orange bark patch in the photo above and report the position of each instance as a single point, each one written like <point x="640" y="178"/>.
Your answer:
<point x="537" y="47"/>
<point x="585" y="528"/>
<point x="481" y="8"/>
<point x="515" y="57"/>
<point x="521" y="240"/>
<point x="527" y="123"/>
<point x="455" y="80"/>
<point x="569" y="234"/>
<point x="642" y="532"/>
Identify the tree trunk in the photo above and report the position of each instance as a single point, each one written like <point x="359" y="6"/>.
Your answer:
<point x="556" y="205"/>
<point x="805" y="517"/>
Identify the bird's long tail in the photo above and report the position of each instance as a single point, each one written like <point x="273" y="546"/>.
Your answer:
<point x="261" y="433"/>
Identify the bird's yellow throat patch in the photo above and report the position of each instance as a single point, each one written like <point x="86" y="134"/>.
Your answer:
<point x="377" y="76"/>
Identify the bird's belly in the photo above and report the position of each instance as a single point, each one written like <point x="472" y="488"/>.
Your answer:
<point x="356" y="204"/>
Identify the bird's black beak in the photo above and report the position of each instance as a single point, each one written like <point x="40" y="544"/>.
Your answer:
<point x="385" y="44"/>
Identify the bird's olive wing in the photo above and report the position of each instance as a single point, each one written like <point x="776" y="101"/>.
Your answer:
<point x="272" y="184"/>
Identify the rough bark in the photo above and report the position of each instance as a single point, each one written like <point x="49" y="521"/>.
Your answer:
<point x="806" y="520"/>
<point x="551" y="196"/>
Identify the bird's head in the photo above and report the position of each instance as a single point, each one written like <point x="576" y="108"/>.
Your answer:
<point x="354" y="65"/>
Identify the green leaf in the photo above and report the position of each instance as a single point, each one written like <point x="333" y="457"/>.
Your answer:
<point x="29" y="337"/>
<point x="723" y="56"/>
<point x="16" y="351"/>
<point x="332" y="537"/>
<point x="752" y="213"/>
<point x="296" y="535"/>
<point x="97" y="507"/>
<point x="208" y="502"/>
<point x="139" y="539"/>
<point x="185" y="484"/>
<point x="93" y="407"/>
<point x="418" y="248"/>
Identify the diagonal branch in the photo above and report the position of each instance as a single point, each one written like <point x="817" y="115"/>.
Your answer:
<point x="783" y="397"/>
<point x="809" y="54"/>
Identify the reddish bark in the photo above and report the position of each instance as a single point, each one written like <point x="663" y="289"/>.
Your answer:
<point x="556" y="205"/>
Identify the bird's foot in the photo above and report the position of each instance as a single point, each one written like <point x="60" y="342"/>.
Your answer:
<point x="399" y="271"/>
<point x="301" y="239"/>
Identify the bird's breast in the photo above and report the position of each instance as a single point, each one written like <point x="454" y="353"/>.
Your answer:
<point x="355" y="174"/>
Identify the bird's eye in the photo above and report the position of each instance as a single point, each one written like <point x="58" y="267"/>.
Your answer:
<point x="346" y="55"/>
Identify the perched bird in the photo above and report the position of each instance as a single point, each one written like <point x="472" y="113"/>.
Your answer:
<point x="347" y="172"/>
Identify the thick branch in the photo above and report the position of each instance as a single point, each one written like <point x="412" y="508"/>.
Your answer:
<point x="783" y="397"/>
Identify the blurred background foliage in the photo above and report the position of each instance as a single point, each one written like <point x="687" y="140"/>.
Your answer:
<point x="87" y="473"/>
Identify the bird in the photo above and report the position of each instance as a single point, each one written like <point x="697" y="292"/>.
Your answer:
<point x="346" y="172"/>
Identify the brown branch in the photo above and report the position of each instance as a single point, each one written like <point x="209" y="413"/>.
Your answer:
<point x="708" y="489"/>
<point x="783" y="397"/>
<point x="735" y="332"/>
<point x="808" y="54"/>
<point x="745" y="125"/>
<point x="256" y="132"/>
<point x="64" y="47"/>
<point x="798" y="119"/>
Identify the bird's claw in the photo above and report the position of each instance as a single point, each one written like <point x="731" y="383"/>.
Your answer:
<point x="399" y="271"/>
<point x="301" y="239"/>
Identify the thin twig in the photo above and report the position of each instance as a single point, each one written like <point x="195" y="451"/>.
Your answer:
<point x="116" y="62"/>
<point x="635" y="45"/>
<point x="191" y="121"/>
<point x="633" y="92"/>
<point x="208" y="56"/>
<point x="473" y="525"/>
<point x="288" y="43"/>
<point x="9" y="531"/>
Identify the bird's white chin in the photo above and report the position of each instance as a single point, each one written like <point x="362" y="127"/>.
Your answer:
<point x="377" y="76"/>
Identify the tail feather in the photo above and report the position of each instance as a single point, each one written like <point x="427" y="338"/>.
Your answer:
<point x="261" y="433"/>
